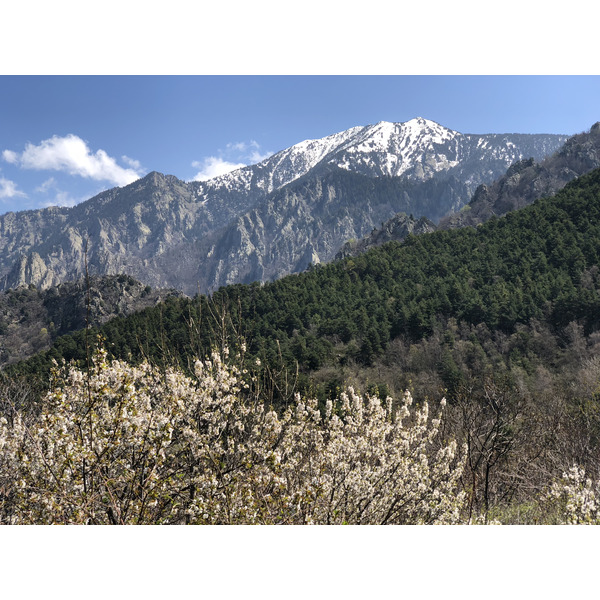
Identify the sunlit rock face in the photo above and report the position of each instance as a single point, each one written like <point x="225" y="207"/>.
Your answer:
<point x="293" y="209"/>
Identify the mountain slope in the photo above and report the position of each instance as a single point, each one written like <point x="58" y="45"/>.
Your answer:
<point x="161" y="230"/>
<point x="528" y="180"/>
<point x="524" y="182"/>
<point x="538" y="266"/>
<point x="305" y="223"/>
<point x="397" y="229"/>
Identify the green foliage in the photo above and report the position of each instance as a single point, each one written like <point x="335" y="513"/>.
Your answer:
<point x="539" y="263"/>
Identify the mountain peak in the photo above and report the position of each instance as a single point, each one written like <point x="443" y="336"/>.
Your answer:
<point x="157" y="178"/>
<point x="421" y="125"/>
<point x="251" y="224"/>
<point x="422" y="122"/>
<point x="414" y="122"/>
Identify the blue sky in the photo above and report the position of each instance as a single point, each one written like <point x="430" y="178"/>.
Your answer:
<point x="65" y="138"/>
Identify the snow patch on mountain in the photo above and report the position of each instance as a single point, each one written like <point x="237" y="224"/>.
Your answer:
<point x="418" y="149"/>
<point x="393" y="149"/>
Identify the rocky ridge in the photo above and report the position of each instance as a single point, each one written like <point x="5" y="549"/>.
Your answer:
<point x="527" y="180"/>
<point x="398" y="228"/>
<point x="262" y="221"/>
<point x="524" y="182"/>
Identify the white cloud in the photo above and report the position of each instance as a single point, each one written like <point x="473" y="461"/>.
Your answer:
<point x="249" y="151"/>
<point x="8" y="189"/>
<point x="136" y="165"/>
<point x="57" y="197"/>
<point x="10" y="156"/>
<point x="72" y="155"/>
<point x="238" y="146"/>
<point x="256" y="156"/>
<point x="235" y="156"/>
<point x="213" y="167"/>
<point x="62" y="199"/>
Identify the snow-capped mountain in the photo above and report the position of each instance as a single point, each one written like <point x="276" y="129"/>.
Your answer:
<point x="395" y="149"/>
<point x="265" y="220"/>
<point x="417" y="149"/>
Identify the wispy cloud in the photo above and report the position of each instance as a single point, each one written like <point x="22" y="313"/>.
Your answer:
<point x="136" y="165"/>
<point x="71" y="154"/>
<point x="47" y="185"/>
<point x="8" y="189"/>
<point x="249" y="151"/>
<point x="237" y="146"/>
<point x="235" y="156"/>
<point x="57" y="197"/>
<point x="256" y="156"/>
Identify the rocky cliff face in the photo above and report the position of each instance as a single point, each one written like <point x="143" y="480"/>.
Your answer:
<point x="527" y="180"/>
<point x="116" y="231"/>
<point x="398" y="228"/>
<point x="263" y="221"/>
<point x="306" y="222"/>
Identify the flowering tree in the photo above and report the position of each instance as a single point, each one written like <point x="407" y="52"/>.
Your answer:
<point x="577" y="498"/>
<point x="124" y="444"/>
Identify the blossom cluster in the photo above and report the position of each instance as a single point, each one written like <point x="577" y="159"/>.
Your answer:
<point x="578" y="498"/>
<point x="123" y="444"/>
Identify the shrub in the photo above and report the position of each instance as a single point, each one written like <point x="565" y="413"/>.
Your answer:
<point x="123" y="444"/>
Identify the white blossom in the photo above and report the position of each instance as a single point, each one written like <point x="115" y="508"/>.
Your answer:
<point x="578" y="497"/>
<point x="131" y="444"/>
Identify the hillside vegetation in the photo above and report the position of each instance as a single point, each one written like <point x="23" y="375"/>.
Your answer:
<point x="503" y="319"/>
<point x="539" y="263"/>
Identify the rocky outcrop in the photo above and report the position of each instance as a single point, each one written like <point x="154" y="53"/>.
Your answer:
<point x="30" y="269"/>
<point x="528" y="180"/>
<point x="31" y="319"/>
<point x="398" y="228"/>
